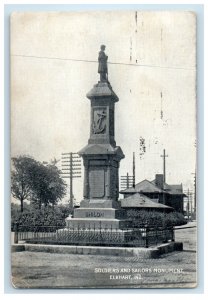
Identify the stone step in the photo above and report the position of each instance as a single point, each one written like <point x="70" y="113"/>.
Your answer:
<point x="97" y="223"/>
<point x="153" y="252"/>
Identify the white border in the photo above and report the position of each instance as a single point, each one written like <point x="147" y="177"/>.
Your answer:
<point x="122" y="294"/>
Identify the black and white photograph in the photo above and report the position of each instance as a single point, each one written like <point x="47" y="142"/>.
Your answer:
<point x="103" y="149"/>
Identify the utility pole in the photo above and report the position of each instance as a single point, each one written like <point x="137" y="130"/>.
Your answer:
<point x="188" y="204"/>
<point x="126" y="181"/>
<point x="71" y="165"/>
<point x="194" y="190"/>
<point x="164" y="170"/>
<point x="133" y="184"/>
<point x="191" y="206"/>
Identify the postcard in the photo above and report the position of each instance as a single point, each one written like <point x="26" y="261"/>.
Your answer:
<point x="103" y="149"/>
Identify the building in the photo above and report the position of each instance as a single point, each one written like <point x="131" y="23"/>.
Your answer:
<point x="156" y="191"/>
<point x="139" y="201"/>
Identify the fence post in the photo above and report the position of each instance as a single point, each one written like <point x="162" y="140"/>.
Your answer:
<point x="173" y="234"/>
<point x="16" y="225"/>
<point x="100" y="227"/>
<point x="146" y="236"/>
<point x="156" y="235"/>
<point x="166" y="235"/>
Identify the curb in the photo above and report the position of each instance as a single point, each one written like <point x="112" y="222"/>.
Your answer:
<point x="17" y="248"/>
<point x="153" y="252"/>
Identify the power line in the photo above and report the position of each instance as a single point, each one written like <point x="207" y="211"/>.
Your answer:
<point x="110" y="63"/>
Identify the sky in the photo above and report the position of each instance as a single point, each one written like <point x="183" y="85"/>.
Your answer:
<point x="152" y="69"/>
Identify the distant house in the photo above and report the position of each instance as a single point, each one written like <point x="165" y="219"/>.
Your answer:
<point x="170" y="196"/>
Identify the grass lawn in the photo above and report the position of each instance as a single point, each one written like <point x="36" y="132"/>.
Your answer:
<point x="51" y="270"/>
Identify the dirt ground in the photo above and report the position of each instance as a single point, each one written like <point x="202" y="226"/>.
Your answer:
<point x="51" y="270"/>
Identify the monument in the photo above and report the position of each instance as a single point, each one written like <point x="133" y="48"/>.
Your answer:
<point x="100" y="208"/>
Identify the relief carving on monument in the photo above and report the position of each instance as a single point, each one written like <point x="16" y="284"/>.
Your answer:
<point x="99" y="121"/>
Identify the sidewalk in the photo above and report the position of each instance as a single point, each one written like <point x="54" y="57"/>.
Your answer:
<point x="189" y="224"/>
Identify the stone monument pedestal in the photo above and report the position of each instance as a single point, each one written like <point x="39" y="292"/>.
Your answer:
<point x="105" y="214"/>
<point x="100" y="218"/>
<point x="99" y="222"/>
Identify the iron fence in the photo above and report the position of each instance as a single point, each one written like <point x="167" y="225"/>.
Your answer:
<point x="140" y="236"/>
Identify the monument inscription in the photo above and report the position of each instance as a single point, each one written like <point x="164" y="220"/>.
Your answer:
<point x="94" y="214"/>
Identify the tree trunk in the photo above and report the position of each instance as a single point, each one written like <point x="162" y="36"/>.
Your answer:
<point x="21" y="200"/>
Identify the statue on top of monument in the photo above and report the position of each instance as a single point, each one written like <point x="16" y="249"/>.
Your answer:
<point x="102" y="67"/>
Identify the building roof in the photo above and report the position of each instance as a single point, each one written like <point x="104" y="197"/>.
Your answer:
<point x="144" y="186"/>
<point x="147" y="186"/>
<point x="142" y="201"/>
<point x="174" y="189"/>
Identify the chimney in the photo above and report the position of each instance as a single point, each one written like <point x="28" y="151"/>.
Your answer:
<point x="159" y="180"/>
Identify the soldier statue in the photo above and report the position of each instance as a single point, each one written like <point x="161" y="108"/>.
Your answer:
<point x="102" y="67"/>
